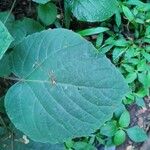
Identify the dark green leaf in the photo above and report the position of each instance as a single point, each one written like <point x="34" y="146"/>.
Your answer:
<point x="136" y="134"/>
<point x="128" y="13"/>
<point x="47" y="13"/>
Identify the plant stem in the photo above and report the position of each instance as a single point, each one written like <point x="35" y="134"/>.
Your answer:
<point x="12" y="7"/>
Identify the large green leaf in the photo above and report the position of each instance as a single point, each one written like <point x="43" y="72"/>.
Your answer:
<point x="18" y="141"/>
<point x="65" y="90"/>
<point x="5" y="39"/>
<point x="93" y="10"/>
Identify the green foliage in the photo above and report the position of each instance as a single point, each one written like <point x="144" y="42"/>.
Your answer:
<point x="92" y="31"/>
<point x="130" y="51"/>
<point x="92" y="10"/>
<point x="65" y="90"/>
<point x="119" y="137"/>
<point x="21" y="28"/>
<point x="5" y="39"/>
<point x="124" y="119"/>
<point x="76" y="89"/>
<point x="109" y="129"/>
<point x="47" y="13"/>
<point x="136" y="134"/>
<point x="5" y="69"/>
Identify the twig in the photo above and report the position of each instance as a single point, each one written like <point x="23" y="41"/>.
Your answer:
<point x="12" y="7"/>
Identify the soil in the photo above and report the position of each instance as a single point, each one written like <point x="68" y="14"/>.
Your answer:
<point x="139" y="116"/>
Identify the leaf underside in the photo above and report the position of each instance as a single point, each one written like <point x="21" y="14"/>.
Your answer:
<point x="65" y="90"/>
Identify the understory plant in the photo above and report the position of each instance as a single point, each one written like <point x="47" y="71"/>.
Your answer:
<point x="70" y="92"/>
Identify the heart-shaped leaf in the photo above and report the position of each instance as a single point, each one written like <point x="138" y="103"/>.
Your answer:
<point x="65" y="88"/>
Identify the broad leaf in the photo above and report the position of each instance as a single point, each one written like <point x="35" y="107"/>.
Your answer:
<point x="5" y="39"/>
<point x="66" y="89"/>
<point x="22" y="142"/>
<point x="93" y="10"/>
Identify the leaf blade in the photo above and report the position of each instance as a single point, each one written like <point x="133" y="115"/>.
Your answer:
<point x="66" y="93"/>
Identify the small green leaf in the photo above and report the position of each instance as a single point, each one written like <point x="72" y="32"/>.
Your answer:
<point x="5" y="39"/>
<point x="120" y="137"/>
<point x="118" y="18"/>
<point x="144" y="78"/>
<point x="147" y="56"/>
<point x="117" y="53"/>
<point x="136" y="134"/>
<point x="128" y="13"/>
<point x="131" y="77"/>
<point x="47" y="13"/>
<point x="142" y="92"/>
<point x="69" y="143"/>
<point x="128" y="68"/>
<point x="119" y="111"/>
<point x="99" y="40"/>
<point x="93" y="31"/>
<point x="121" y="43"/>
<point x="105" y="49"/>
<point x="142" y="65"/>
<point x="109" y="128"/>
<point x="124" y="120"/>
